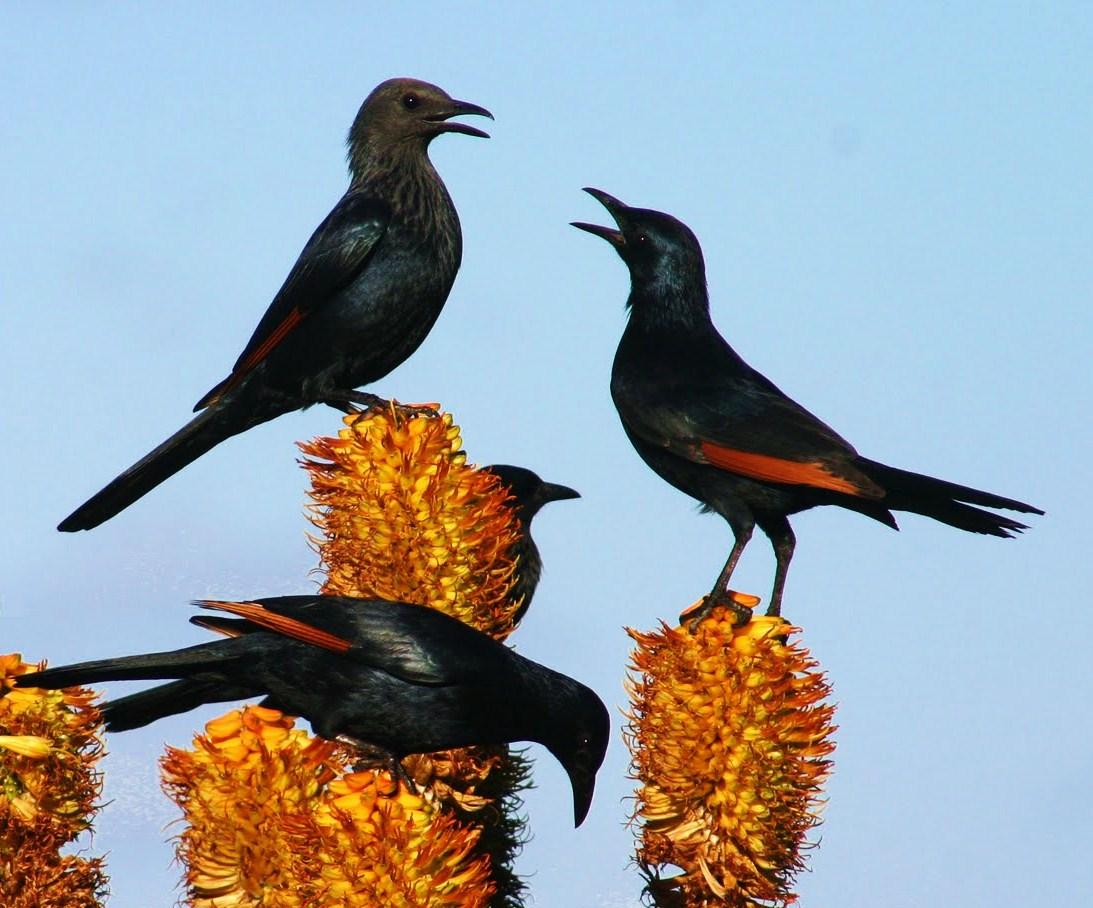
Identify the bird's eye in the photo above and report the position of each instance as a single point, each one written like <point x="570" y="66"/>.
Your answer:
<point x="641" y="238"/>
<point x="410" y="101"/>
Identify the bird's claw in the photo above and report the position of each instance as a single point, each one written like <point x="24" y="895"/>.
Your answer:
<point x="363" y="402"/>
<point x="373" y="756"/>
<point x="354" y="401"/>
<point x="740" y="604"/>
<point x="411" y="410"/>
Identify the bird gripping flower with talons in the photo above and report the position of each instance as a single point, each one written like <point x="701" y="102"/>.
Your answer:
<point x="364" y="293"/>
<point x="730" y="737"/>
<point x="712" y="426"/>
<point x="364" y="403"/>
<point x="740" y="604"/>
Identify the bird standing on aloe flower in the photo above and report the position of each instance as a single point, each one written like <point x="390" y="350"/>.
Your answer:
<point x="388" y="678"/>
<point x="364" y="293"/>
<point x="715" y="428"/>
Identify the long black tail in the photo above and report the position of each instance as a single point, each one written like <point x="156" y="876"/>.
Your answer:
<point x="145" y="707"/>
<point x="179" y="663"/>
<point x="946" y="501"/>
<point x="203" y="432"/>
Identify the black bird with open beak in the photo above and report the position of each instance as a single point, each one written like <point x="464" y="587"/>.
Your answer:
<point x="364" y="293"/>
<point x="715" y="428"/>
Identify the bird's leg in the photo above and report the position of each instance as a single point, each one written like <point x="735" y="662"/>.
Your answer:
<point x="354" y="401"/>
<point x="783" y="540"/>
<point x="373" y="756"/>
<point x="720" y="594"/>
<point x="364" y="402"/>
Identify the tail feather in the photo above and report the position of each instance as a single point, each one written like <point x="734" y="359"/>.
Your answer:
<point x="229" y="627"/>
<point x="904" y="481"/>
<point x="150" y="666"/>
<point x="145" y="707"/>
<point x="965" y="517"/>
<point x="202" y="433"/>
<point x="946" y="501"/>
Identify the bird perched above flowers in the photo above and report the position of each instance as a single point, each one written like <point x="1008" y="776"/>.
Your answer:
<point x="364" y="293"/>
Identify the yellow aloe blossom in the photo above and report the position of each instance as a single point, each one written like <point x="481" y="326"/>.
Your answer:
<point x="50" y="745"/>
<point x="34" y="746"/>
<point x="403" y="516"/>
<point x="368" y="845"/>
<point x="248" y="770"/>
<point x="730" y="737"/>
<point x="277" y="820"/>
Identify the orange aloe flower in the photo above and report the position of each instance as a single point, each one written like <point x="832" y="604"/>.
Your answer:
<point x="368" y="845"/>
<point x="50" y="744"/>
<point x="730" y="737"/>
<point x="248" y="770"/>
<point x="276" y="819"/>
<point x="403" y="516"/>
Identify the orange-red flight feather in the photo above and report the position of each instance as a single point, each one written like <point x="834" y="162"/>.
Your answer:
<point x="282" y="624"/>
<point x="775" y="469"/>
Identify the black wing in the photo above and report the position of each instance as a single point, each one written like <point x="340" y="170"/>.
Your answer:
<point x="338" y="250"/>
<point x="411" y="642"/>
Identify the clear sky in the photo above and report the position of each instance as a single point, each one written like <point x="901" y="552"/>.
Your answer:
<point x="896" y="214"/>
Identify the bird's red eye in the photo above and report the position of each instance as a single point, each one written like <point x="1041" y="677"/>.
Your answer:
<point x="409" y="101"/>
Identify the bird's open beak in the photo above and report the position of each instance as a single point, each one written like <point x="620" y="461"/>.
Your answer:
<point x="614" y="207"/>
<point x="459" y="109"/>
<point x="553" y="492"/>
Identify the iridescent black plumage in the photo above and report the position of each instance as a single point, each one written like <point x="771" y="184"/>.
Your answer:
<point x="715" y="428"/>
<point x="397" y="678"/>
<point x="364" y="293"/>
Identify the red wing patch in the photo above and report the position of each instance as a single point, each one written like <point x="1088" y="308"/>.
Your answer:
<point x="775" y="469"/>
<point x="253" y="358"/>
<point x="275" y="337"/>
<point x="282" y="624"/>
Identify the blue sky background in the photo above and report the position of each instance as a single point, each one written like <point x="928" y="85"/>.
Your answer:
<point x="896" y="213"/>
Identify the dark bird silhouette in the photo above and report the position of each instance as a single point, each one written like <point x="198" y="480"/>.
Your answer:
<point x="529" y="494"/>
<point x="360" y="299"/>
<point x="387" y="677"/>
<point x="713" y="427"/>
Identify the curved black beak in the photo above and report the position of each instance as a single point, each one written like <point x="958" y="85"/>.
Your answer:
<point x="551" y="491"/>
<point x="615" y="208"/>
<point x="608" y="201"/>
<point x="459" y="109"/>
<point x="583" y="789"/>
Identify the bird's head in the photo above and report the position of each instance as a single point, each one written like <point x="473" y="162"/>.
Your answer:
<point x="529" y="490"/>
<point x="402" y="111"/>
<point x="581" y="732"/>
<point x="657" y="248"/>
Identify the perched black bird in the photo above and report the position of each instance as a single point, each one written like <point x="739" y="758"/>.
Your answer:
<point x="713" y="427"/>
<point x="385" y="676"/>
<point x="360" y="299"/>
<point x="529" y="494"/>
